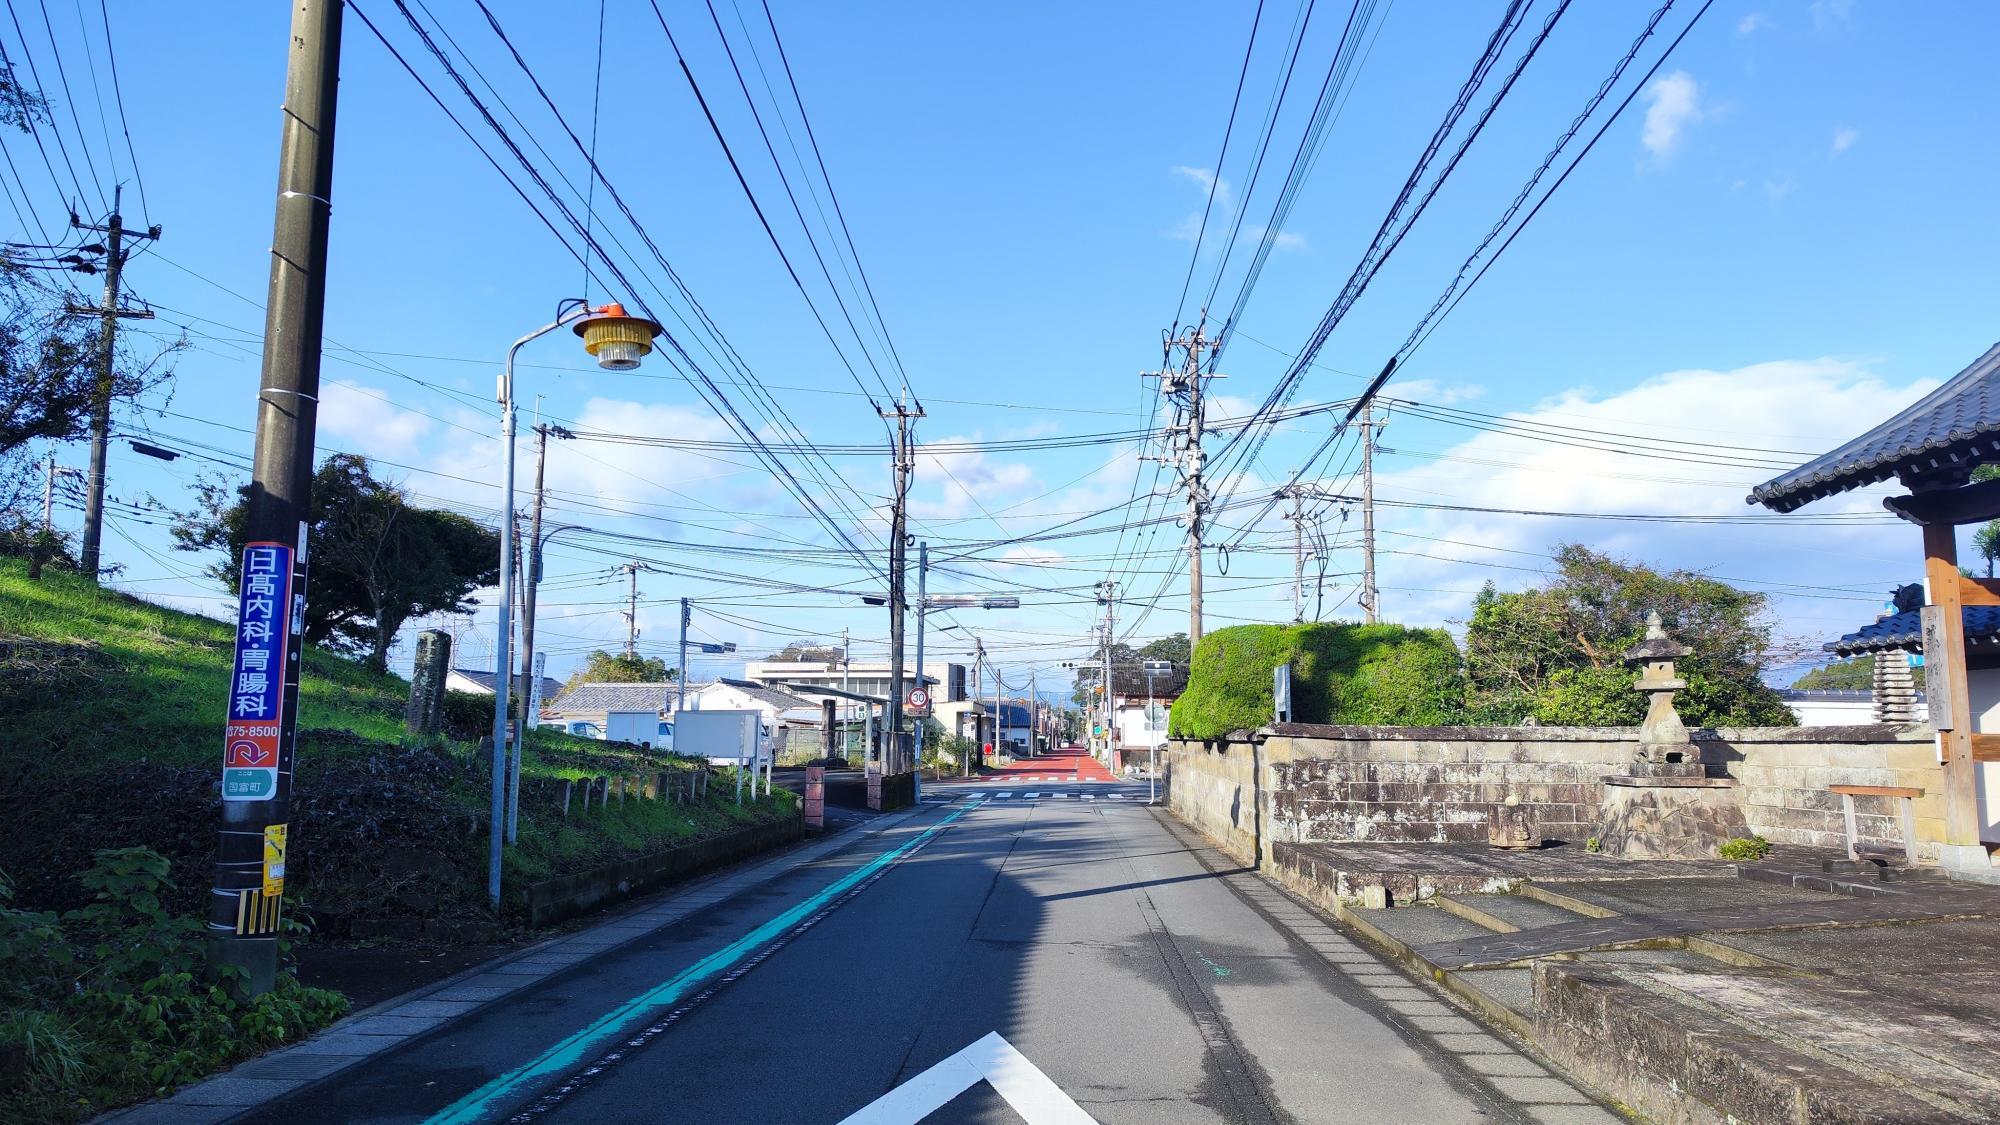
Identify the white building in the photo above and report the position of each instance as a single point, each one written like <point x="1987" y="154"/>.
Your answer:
<point x="1139" y="708"/>
<point x="945" y="680"/>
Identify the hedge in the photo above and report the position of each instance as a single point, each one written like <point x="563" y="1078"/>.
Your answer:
<point x="1383" y="675"/>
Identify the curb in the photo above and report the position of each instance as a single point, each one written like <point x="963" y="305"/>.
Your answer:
<point x="382" y="1027"/>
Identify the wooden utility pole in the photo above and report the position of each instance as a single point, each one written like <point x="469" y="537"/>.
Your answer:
<point x="905" y="465"/>
<point x="107" y="352"/>
<point x="248" y="893"/>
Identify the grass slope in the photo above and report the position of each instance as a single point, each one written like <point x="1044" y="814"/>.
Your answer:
<point x="111" y="715"/>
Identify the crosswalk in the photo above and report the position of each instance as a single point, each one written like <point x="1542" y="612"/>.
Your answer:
<point x="988" y="794"/>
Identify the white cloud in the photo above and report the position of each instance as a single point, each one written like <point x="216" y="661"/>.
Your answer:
<point x="1777" y="189"/>
<point x="1752" y="23"/>
<point x="1283" y="240"/>
<point x="1778" y="414"/>
<point x="1844" y="138"/>
<point x="1190" y="226"/>
<point x="1204" y="179"/>
<point x="1673" y="105"/>
<point x="1437" y="392"/>
<point x="1832" y="15"/>
<point x="363" y="416"/>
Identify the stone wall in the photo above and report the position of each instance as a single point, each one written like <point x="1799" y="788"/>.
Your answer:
<point x="1303" y="783"/>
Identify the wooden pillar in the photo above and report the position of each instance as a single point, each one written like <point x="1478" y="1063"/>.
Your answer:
<point x="1961" y="779"/>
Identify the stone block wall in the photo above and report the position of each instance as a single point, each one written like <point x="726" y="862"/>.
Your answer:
<point x="1304" y="783"/>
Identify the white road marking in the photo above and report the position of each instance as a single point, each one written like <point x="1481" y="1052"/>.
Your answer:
<point x="1008" y="793"/>
<point x="992" y="1059"/>
<point x="1031" y="794"/>
<point x="1088" y="796"/>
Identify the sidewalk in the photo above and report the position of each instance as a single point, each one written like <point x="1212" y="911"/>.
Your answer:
<point x="1057" y="765"/>
<point x="421" y="1012"/>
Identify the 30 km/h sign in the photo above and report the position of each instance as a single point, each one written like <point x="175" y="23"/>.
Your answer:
<point x="918" y="700"/>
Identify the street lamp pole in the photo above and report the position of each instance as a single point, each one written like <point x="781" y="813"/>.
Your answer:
<point x="618" y="341"/>
<point x="923" y="607"/>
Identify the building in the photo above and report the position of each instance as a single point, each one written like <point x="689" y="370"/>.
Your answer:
<point x="1139" y="708"/>
<point x="1828" y="707"/>
<point x="946" y="680"/>
<point x="475" y="682"/>
<point x="586" y="709"/>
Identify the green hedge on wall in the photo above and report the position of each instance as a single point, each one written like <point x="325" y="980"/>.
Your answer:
<point x="1383" y="675"/>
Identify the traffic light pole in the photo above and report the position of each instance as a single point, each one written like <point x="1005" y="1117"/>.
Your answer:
<point x="247" y="896"/>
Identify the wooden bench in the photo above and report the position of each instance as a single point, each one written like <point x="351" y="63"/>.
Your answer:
<point x="1907" y="807"/>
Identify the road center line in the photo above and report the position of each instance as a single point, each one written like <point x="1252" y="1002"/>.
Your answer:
<point x="572" y="1048"/>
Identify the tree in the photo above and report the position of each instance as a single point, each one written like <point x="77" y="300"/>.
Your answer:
<point x="1557" y="652"/>
<point x="376" y="559"/>
<point x="602" y="667"/>
<point x="1857" y="674"/>
<point x="1174" y="650"/>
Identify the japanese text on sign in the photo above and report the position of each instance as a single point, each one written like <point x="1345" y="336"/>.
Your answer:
<point x="250" y="756"/>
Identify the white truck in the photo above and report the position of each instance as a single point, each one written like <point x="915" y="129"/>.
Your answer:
<point x="640" y="728"/>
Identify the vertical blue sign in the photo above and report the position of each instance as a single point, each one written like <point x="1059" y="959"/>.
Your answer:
<point x="250" y="755"/>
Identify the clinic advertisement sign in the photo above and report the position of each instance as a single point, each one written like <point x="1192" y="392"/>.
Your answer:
<point x="250" y="755"/>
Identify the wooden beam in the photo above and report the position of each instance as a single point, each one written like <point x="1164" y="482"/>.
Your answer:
<point x="1878" y="790"/>
<point x="1961" y="777"/>
<point x="1986" y="747"/>
<point x="1949" y="507"/>
<point x="1979" y="591"/>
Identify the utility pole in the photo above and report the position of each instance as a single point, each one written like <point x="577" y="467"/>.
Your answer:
<point x="533" y="569"/>
<point x="107" y="351"/>
<point x="1107" y="596"/>
<point x="847" y="705"/>
<point x="681" y="676"/>
<point x="1298" y="518"/>
<point x="1370" y="596"/>
<point x="905" y="464"/>
<point x="49" y="491"/>
<point x="923" y="609"/>
<point x="631" y="610"/>
<point x="1181" y="447"/>
<point x="978" y="684"/>
<point x="248" y="893"/>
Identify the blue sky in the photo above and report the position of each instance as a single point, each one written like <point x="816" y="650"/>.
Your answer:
<point x="1785" y="238"/>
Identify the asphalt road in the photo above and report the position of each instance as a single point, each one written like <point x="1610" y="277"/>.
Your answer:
<point x="1063" y="956"/>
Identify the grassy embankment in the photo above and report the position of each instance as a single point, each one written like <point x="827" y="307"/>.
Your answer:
<point x="111" y="712"/>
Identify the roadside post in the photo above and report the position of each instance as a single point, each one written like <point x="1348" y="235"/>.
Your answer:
<point x="815" y="798"/>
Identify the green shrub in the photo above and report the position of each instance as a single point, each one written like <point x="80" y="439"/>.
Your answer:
<point x="108" y="1003"/>
<point x="1342" y="673"/>
<point x="468" y="715"/>
<point x="1744" y="849"/>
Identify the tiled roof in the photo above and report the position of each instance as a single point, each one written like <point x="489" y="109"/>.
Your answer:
<point x="1955" y="426"/>
<point x="1905" y="631"/>
<point x="772" y="696"/>
<point x="550" y="686"/>
<point x="1131" y="682"/>
<point x="617" y="697"/>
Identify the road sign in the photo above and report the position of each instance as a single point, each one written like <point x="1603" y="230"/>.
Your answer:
<point x="264" y="619"/>
<point x="919" y="700"/>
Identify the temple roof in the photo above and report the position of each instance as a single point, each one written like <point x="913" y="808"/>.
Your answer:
<point x="1946" y="432"/>
<point x="1905" y="632"/>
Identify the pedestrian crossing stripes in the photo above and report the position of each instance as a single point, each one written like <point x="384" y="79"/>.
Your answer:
<point x="1051" y="795"/>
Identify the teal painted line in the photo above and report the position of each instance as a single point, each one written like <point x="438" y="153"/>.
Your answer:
<point x="572" y="1048"/>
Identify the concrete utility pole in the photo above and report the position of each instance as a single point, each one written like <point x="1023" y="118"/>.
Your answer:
<point x="248" y="892"/>
<point x="905" y="465"/>
<point x="55" y="471"/>
<point x="107" y="352"/>
<point x="923" y="609"/>
<point x="532" y="572"/>
<point x="1370" y="597"/>
<point x="1107" y="596"/>
<point x="1298" y="519"/>
<point x="631" y="610"/>
<point x="1183" y="387"/>
<point x="681" y="675"/>
<point x="978" y="684"/>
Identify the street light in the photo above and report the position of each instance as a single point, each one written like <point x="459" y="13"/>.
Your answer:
<point x="953" y="601"/>
<point x="618" y="341"/>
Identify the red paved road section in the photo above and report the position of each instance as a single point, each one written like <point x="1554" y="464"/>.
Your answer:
<point x="1063" y="765"/>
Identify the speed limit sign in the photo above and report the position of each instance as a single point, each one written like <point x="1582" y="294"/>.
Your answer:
<point x="919" y="699"/>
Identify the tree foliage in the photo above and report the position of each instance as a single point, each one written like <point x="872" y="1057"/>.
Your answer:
<point x="602" y="667"/>
<point x="1341" y="673"/>
<point x="376" y="559"/>
<point x="1556" y="653"/>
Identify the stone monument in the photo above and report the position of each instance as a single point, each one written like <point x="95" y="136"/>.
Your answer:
<point x="1666" y="806"/>
<point x="425" y="713"/>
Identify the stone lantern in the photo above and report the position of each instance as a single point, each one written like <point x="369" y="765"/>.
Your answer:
<point x="1664" y="747"/>
<point x="1666" y="806"/>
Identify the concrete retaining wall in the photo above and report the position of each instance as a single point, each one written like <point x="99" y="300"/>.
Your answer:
<point x="1303" y="783"/>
